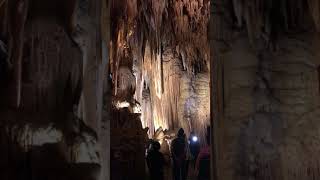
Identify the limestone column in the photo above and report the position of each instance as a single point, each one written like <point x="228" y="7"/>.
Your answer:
<point x="218" y="33"/>
<point x="104" y="103"/>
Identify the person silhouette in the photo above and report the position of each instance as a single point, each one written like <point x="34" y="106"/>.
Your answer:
<point x="156" y="162"/>
<point x="203" y="161"/>
<point x="179" y="152"/>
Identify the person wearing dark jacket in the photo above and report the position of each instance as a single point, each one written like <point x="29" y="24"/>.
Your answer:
<point x="203" y="161"/>
<point x="156" y="162"/>
<point x="178" y="151"/>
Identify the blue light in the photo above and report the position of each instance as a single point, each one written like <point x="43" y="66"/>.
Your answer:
<point x="194" y="138"/>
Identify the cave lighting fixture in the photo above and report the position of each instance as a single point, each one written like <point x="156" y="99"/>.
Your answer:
<point x="123" y="104"/>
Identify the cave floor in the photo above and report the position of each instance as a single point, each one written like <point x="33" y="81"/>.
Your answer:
<point x="191" y="175"/>
<point x="169" y="176"/>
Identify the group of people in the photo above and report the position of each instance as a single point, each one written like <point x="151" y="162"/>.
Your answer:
<point x="183" y="152"/>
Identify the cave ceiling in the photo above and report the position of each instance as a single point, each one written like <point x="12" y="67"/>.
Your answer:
<point x="179" y="24"/>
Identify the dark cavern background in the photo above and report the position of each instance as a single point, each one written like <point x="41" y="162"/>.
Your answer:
<point x="85" y="85"/>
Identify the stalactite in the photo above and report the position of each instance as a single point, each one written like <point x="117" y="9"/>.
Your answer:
<point x="238" y="9"/>
<point x="314" y="6"/>
<point x="149" y="29"/>
<point x="18" y="11"/>
<point x="4" y="18"/>
<point x="274" y="16"/>
<point x="152" y="26"/>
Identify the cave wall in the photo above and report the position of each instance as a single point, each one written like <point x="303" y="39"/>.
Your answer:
<point x="49" y="129"/>
<point x="268" y="95"/>
<point x="269" y="102"/>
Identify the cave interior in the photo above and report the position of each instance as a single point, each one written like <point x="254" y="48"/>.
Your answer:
<point x="86" y="84"/>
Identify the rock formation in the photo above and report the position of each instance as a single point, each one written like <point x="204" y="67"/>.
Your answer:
<point x="165" y="45"/>
<point x="266" y="88"/>
<point x="49" y="52"/>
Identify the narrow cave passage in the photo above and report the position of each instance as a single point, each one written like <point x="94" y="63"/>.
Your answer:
<point x="160" y="74"/>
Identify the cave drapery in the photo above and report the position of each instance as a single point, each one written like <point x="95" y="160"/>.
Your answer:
<point x="160" y="49"/>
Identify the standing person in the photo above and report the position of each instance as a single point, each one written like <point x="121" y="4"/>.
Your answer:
<point x="178" y="151"/>
<point x="203" y="161"/>
<point x="156" y="162"/>
<point x="188" y="158"/>
<point x="165" y="150"/>
<point x="194" y="146"/>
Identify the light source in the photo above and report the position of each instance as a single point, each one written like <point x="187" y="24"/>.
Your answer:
<point x="123" y="104"/>
<point x="194" y="138"/>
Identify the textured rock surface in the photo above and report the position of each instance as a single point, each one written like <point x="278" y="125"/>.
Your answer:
<point x="175" y="97"/>
<point x="265" y="100"/>
<point x="270" y="93"/>
<point x="50" y="55"/>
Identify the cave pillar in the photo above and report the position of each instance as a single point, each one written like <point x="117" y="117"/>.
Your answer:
<point x="217" y="33"/>
<point x="88" y="37"/>
<point x="104" y="103"/>
<point x="93" y="36"/>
